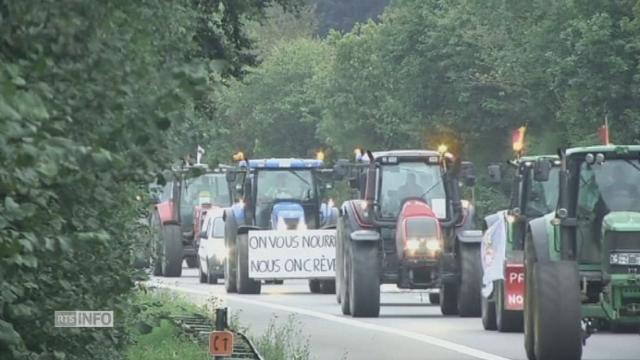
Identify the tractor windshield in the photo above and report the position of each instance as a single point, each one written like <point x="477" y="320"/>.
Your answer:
<point x="542" y="197"/>
<point x="206" y="189"/>
<point x="283" y="184"/>
<point x="611" y="186"/>
<point x="404" y="180"/>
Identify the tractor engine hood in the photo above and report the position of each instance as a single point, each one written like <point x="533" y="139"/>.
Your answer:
<point x="288" y="216"/>
<point x="418" y="232"/>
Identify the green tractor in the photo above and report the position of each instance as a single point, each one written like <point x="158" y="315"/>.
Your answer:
<point x="503" y="243"/>
<point x="582" y="261"/>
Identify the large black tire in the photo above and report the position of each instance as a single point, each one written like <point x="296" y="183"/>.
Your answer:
<point x="364" y="280"/>
<point x="314" y="286"/>
<point x="244" y="283"/>
<point x="328" y="286"/>
<point x="340" y="240"/>
<point x="156" y="240"/>
<point x="557" y="331"/>
<point x="469" y="294"/>
<point x="203" y="276"/>
<point x="449" y="299"/>
<point x="489" y="313"/>
<point x="529" y="261"/>
<point x="212" y="278"/>
<point x="172" y="250"/>
<point x="506" y="320"/>
<point x="230" y="266"/>
<point x="434" y="298"/>
<point x="345" y="301"/>
<point x="192" y="262"/>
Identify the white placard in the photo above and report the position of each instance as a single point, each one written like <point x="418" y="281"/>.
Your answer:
<point x="292" y="254"/>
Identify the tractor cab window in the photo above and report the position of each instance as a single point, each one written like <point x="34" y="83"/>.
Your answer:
<point x="542" y="197"/>
<point x="206" y="189"/>
<point x="603" y="188"/>
<point x="405" y="180"/>
<point x="273" y="185"/>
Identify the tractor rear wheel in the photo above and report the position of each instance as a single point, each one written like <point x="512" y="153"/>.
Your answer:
<point x="328" y="286"/>
<point x="557" y="333"/>
<point x="244" y="283"/>
<point x="172" y="250"/>
<point x="506" y="320"/>
<point x="469" y="294"/>
<point x="314" y="286"/>
<point x="489" y="313"/>
<point x="345" y="301"/>
<point x="529" y="260"/>
<point x="364" y="280"/>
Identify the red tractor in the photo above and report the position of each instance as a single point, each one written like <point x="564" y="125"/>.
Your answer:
<point x="178" y="213"/>
<point x="408" y="227"/>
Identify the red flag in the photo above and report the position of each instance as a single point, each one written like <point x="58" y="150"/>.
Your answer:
<point x="603" y="132"/>
<point x="517" y="139"/>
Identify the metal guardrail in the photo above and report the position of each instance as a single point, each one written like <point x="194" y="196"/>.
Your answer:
<point x="198" y="328"/>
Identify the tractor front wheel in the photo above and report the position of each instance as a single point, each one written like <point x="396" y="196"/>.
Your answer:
<point x="489" y="313"/>
<point x="328" y="286"/>
<point x="364" y="280"/>
<point x="469" y="294"/>
<point x="449" y="299"/>
<point x="555" y="306"/>
<point x="506" y="320"/>
<point x="244" y="283"/>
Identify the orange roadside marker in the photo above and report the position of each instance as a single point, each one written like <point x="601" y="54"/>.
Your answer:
<point x="221" y="343"/>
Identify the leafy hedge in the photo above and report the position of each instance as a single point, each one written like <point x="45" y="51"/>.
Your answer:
<point x="94" y="99"/>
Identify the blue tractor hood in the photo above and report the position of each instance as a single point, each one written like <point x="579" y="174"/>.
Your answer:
<point x="291" y="213"/>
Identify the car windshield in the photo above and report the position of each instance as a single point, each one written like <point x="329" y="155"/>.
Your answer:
<point x="290" y="184"/>
<point x="411" y="180"/>
<point x="207" y="189"/>
<point x="543" y="195"/>
<point x="611" y="186"/>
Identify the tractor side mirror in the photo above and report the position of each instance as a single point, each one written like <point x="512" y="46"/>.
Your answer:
<point x="495" y="174"/>
<point x="468" y="172"/>
<point x="231" y="176"/>
<point x="541" y="170"/>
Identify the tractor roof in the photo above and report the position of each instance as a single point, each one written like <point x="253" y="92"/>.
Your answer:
<point x="399" y="154"/>
<point x="618" y="149"/>
<point x="282" y="163"/>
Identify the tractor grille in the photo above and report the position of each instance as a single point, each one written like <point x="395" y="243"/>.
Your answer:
<point x="292" y="224"/>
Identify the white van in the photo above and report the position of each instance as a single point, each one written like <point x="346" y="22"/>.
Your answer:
<point x="211" y="250"/>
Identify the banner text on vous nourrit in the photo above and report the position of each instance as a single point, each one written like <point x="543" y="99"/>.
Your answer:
<point x="292" y="254"/>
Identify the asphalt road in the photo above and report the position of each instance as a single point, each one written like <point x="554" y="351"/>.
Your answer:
<point x="408" y="327"/>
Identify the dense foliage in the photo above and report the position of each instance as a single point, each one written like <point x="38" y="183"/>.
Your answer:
<point x="95" y="98"/>
<point x="457" y="71"/>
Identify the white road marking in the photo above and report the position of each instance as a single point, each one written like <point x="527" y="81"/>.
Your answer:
<point x="462" y="349"/>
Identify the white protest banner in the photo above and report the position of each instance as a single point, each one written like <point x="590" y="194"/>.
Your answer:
<point x="292" y="254"/>
<point x="492" y="249"/>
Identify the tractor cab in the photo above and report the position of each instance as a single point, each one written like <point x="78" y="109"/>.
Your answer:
<point x="600" y="223"/>
<point x="409" y="219"/>
<point x="590" y="248"/>
<point x="282" y="194"/>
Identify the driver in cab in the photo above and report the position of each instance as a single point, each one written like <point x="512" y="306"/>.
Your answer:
<point x="410" y="188"/>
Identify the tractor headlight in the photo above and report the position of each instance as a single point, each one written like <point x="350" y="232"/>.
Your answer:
<point x="412" y="244"/>
<point x="619" y="258"/>
<point x="433" y="245"/>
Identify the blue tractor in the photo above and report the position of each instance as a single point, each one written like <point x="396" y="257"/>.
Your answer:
<point x="279" y="208"/>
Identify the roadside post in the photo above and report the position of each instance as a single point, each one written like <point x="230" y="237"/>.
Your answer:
<point x="221" y="340"/>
